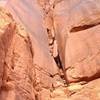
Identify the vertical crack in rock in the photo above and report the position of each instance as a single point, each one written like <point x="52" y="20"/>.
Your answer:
<point x="48" y="8"/>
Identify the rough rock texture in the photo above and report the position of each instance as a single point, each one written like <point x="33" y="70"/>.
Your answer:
<point x="17" y="79"/>
<point x="83" y="57"/>
<point x="43" y="34"/>
<point x="90" y="91"/>
<point x="77" y="29"/>
<point x="25" y="71"/>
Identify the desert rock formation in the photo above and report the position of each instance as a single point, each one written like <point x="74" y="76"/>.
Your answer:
<point x="50" y="50"/>
<point x="23" y="68"/>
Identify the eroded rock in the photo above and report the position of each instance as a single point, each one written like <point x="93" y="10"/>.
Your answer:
<point x="27" y="68"/>
<point x="28" y="48"/>
<point x="77" y="31"/>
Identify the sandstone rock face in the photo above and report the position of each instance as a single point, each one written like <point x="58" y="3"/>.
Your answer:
<point x="77" y="31"/>
<point x="31" y="10"/>
<point x="39" y="32"/>
<point x="83" y="54"/>
<point x="27" y="70"/>
<point x="16" y="61"/>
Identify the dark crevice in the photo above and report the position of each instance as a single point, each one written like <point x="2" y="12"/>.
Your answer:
<point x="58" y="61"/>
<point x="57" y="58"/>
<point x="48" y="30"/>
<point x="88" y="79"/>
<point x="30" y="46"/>
<point x="37" y="97"/>
<point x="84" y="27"/>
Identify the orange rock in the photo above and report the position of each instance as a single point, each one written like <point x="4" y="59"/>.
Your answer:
<point x="77" y="32"/>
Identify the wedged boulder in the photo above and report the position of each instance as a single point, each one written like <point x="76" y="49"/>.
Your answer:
<point x="77" y="29"/>
<point x="82" y="55"/>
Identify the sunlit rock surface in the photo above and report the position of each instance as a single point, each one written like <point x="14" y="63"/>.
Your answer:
<point x="21" y="78"/>
<point x="50" y="50"/>
<point x="77" y="29"/>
